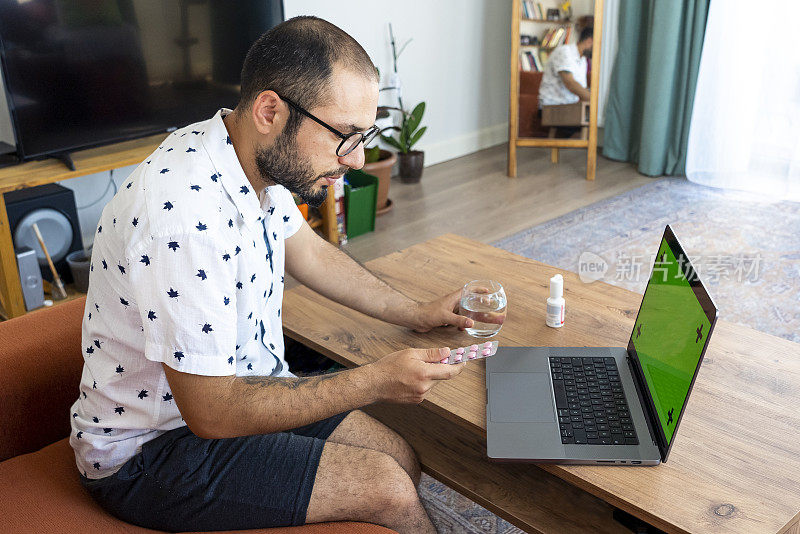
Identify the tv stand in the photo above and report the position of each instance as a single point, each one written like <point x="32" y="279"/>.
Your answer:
<point x="65" y="158"/>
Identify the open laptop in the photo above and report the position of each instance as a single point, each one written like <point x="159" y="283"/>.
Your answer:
<point x="606" y="405"/>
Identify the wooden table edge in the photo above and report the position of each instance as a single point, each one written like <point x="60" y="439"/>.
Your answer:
<point x="792" y="527"/>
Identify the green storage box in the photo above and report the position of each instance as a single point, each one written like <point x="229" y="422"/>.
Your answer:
<point x="360" y="202"/>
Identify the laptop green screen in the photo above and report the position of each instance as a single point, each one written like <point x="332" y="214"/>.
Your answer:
<point x="669" y="336"/>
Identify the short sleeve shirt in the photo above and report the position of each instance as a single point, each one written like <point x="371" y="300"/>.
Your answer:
<point x="187" y="270"/>
<point x="564" y="58"/>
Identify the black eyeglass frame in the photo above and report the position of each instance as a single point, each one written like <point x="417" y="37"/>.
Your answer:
<point x="366" y="136"/>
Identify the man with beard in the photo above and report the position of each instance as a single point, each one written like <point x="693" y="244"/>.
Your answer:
<point x="188" y="417"/>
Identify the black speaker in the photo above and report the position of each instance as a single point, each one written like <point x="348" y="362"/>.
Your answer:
<point x="52" y="208"/>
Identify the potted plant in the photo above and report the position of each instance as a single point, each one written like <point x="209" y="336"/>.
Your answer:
<point x="302" y="206"/>
<point x="379" y="162"/>
<point x="411" y="161"/>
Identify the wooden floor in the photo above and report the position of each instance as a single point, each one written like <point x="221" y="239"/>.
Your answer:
<point x="472" y="196"/>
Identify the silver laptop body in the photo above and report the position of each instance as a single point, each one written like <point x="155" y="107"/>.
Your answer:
<point x="521" y="417"/>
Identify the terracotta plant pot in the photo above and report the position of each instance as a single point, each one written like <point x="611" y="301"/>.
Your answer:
<point x="411" y="165"/>
<point x="383" y="170"/>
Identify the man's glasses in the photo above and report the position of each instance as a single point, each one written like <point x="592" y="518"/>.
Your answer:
<point x="349" y="141"/>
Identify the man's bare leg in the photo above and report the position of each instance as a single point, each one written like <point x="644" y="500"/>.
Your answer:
<point x="361" y="484"/>
<point x="360" y="430"/>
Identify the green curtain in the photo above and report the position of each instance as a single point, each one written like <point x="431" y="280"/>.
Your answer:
<point x="652" y="83"/>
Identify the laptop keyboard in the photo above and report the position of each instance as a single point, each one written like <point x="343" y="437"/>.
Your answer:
<point x="590" y="402"/>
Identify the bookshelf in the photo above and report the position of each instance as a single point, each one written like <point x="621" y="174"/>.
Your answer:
<point x="519" y="20"/>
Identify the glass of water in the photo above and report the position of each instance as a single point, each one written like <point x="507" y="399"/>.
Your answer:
<point x="483" y="301"/>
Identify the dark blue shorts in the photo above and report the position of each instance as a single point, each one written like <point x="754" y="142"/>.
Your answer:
<point x="180" y="482"/>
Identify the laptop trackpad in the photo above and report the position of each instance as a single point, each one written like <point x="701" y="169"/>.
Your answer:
<point x="521" y="398"/>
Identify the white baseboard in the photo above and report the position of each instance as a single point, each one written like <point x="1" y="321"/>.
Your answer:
<point x="466" y="144"/>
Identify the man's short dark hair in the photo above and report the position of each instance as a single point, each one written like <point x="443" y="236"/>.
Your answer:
<point x="296" y="58"/>
<point x="586" y="33"/>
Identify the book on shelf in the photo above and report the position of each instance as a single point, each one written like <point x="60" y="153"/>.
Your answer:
<point x="555" y="37"/>
<point x="529" y="61"/>
<point x="538" y="61"/>
<point x="548" y="37"/>
<point x="532" y="10"/>
<point x="524" y="63"/>
<point x="558" y="37"/>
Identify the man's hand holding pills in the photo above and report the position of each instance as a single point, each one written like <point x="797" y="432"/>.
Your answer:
<point x="406" y="376"/>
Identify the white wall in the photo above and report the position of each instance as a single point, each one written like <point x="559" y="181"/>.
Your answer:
<point x="457" y="63"/>
<point x="92" y="193"/>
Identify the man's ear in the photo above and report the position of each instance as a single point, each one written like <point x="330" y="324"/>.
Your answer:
<point x="268" y="112"/>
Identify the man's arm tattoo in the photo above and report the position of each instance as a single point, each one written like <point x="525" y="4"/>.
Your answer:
<point x="287" y="382"/>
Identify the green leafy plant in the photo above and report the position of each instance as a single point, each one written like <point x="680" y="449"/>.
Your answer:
<point x="372" y="154"/>
<point x="409" y="130"/>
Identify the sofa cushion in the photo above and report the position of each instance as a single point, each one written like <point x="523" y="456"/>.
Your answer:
<point x="40" y="370"/>
<point x="40" y="492"/>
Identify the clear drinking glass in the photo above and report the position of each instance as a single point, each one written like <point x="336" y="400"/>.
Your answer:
<point x="484" y="301"/>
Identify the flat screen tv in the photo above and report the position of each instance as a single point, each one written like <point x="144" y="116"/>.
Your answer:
<point x="84" y="73"/>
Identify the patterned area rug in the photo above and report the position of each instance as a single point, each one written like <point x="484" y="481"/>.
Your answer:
<point x="452" y="513"/>
<point x="745" y="247"/>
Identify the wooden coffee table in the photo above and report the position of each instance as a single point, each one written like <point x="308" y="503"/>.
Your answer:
<point x="735" y="464"/>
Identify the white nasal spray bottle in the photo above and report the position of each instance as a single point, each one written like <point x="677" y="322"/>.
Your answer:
<point x="555" y="304"/>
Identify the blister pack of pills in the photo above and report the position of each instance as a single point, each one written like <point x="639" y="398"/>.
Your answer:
<point x="473" y="352"/>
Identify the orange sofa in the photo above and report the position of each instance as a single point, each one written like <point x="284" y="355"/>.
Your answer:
<point x="40" y="368"/>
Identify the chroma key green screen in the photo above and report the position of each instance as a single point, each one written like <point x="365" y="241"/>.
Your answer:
<point x="669" y="336"/>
